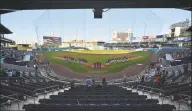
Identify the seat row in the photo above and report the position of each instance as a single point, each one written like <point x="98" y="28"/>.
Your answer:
<point x="98" y="101"/>
<point x="100" y="107"/>
<point x="95" y="96"/>
<point x="98" y="93"/>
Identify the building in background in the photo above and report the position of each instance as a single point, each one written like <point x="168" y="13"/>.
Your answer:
<point x="98" y="45"/>
<point x="179" y="29"/>
<point x="50" y="41"/>
<point x="83" y="43"/>
<point x="123" y="36"/>
<point x="22" y="47"/>
<point x="77" y="43"/>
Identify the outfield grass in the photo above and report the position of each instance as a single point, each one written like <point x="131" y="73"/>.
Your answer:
<point x="93" y="58"/>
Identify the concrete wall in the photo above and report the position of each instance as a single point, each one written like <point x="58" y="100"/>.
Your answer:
<point x="19" y="68"/>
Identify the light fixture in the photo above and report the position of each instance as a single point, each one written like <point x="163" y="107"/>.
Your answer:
<point x="98" y="13"/>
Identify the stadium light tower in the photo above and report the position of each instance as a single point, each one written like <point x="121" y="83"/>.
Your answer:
<point x="38" y="41"/>
<point x="36" y="30"/>
<point x="144" y="28"/>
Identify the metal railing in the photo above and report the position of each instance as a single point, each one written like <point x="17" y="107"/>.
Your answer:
<point x="12" y="100"/>
<point x="176" y="68"/>
<point x="19" y="68"/>
<point x="161" y="94"/>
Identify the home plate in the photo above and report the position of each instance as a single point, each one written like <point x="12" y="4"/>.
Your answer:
<point x="139" y="64"/>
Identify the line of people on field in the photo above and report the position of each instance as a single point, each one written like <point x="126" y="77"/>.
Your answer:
<point x="82" y="61"/>
<point x="69" y="59"/>
<point x="73" y="60"/>
<point x="117" y="60"/>
<point x="97" y="65"/>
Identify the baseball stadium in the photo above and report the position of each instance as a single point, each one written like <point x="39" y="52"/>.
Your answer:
<point x="91" y="64"/>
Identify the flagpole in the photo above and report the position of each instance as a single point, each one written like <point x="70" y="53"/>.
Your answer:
<point x="144" y="28"/>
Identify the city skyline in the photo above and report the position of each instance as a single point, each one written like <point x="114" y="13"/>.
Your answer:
<point x="80" y="24"/>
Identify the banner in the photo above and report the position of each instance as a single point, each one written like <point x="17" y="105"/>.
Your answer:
<point x="26" y="58"/>
<point x="159" y="36"/>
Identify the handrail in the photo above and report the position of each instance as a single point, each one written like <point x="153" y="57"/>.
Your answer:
<point x="183" y="100"/>
<point x="175" y="84"/>
<point x="22" y="94"/>
<point x="185" y="95"/>
<point x="44" y="88"/>
<point x="152" y="88"/>
<point x="11" y="101"/>
<point x="10" y="77"/>
<point x="2" y="96"/>
<point x="56" y="80"/>
<point x="54" y="72"/>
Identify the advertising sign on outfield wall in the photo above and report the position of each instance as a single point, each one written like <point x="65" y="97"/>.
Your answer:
<point x="145" y="37"/>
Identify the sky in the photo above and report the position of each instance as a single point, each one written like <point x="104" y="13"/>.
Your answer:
<point x="28" y="25"/>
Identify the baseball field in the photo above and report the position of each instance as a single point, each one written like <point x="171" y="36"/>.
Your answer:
<point x="101" y="56"/>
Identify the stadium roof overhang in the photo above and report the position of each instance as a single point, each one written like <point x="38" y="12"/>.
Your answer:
<point x="4" y="11"/>
<point x="188" y="8"/>
<point x="6" y="40"/>
<point x="85" y="4"/>
<point x="4" y="30"/>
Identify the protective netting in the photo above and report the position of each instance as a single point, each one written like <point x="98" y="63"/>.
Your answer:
<point x="81" y="25"/>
